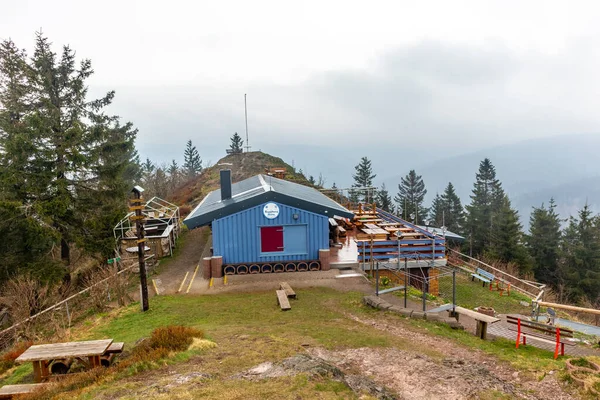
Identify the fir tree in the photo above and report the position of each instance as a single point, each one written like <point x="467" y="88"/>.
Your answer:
<point x="486" y="201"/>
<point x="384" y="200"/>
<point x="437" y="211"/>
<point x="192" y="163"/>
<point x="68" y="155"/>
<point x="543" y="243"/>
<point x="581" y="257"/>
<point x="411" y="193"/>
<point x="454" y="214"/>
<point x="236" y="143"/>
<point x="506" y="238"/>
<point x="174" y="175"/>
<point x="363" y="178"/>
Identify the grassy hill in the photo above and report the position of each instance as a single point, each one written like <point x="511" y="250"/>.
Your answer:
<point x="242" y="166"/>
<point x="335" y="350"/>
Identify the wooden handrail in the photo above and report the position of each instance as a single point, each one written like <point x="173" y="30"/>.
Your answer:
<point x="506" y="277"/>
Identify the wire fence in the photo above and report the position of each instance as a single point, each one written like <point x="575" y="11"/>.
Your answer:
<point x="105" y="287"/>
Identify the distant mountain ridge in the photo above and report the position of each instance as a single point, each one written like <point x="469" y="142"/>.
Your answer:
<point x="531" y="172"/>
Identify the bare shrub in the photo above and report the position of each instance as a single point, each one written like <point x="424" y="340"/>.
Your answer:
<point x="25" y="296"/>
<point x="104" y="286"/>
<point x="174" y="337"/>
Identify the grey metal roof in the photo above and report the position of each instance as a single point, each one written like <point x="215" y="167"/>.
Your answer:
<point x="440" y="232"/>
<point x="260" y="189"/>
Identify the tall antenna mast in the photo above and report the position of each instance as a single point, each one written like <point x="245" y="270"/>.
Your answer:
<point x="246" y="115"/>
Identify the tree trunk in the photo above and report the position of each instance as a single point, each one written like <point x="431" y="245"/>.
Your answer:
<point x="65" y="252"/>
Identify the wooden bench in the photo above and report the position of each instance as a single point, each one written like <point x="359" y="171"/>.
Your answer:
<point x="8" y="391"/>
<point x="540" y="332"/>
<point x="481" y="319"/>
<point x="287" y="289"/>
<point x="284" y="303"/>
<point x="113" y="351"/>
<point x="483" y="276"/>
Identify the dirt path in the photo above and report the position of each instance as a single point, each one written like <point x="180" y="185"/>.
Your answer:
<point x="186" y="260"/>
<point x="461" y="375"/>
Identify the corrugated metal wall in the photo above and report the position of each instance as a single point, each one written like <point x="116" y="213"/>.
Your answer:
<point x="237" y="237"/>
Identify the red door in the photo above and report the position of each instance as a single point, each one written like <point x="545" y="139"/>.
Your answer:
<point x="271" y="239"/>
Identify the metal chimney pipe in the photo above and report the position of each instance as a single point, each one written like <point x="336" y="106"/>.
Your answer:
<point x="225" y="184"/>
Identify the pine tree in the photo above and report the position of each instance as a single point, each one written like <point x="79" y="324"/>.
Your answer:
<point x="486" y="201"/>
<point x="384" y="200"/>
<point x="192" y="163"/>
<point x="363" y="178"/>
<point x="543" y="243"/>
<point x="236" y="144"/>
<point x="411" y="193"/>
<point x="506" y="239"/>
<point x="454" y="214"/>
<point x="311" y="180"/>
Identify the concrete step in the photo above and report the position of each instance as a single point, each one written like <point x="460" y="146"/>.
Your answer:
<point x="344" y="265"/>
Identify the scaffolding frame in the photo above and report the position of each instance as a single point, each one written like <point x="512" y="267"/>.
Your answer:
<point x="156" y="209"/>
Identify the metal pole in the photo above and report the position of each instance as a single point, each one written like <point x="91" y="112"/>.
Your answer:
<point x="453" y="292"/>
<point x="424" y="294"/>
<point x="364" y="258"/>
<point x="139" y="225"/>
<point x="398" y="254"/>
<point x="405" y="281"/>
<point x="377" y="279"/>
<point x="246" y="116"/>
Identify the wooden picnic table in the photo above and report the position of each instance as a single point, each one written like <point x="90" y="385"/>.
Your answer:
<point x="44" y="354"/>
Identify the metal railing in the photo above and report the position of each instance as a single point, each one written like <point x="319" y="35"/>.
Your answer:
<point x="531" y="289"/>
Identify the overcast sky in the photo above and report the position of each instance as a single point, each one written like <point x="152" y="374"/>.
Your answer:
<point x="451" y="75"/>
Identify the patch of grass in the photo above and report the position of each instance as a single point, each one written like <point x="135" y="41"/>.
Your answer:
<point x="493" y="394"/>
<point x="471" y="294"/>
<point x="18" y="374"/>
<point x="332" y="386"/>
<point x="255" y="314"/>
<point x="7" y="359"/>
<point x="581" y="362"/>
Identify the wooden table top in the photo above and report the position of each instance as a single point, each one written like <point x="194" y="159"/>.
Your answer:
<point x="476" y="315"/>
<point x="53" y="351"/>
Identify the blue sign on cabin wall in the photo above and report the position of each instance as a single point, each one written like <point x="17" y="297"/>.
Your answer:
<point x="237" y="237"/>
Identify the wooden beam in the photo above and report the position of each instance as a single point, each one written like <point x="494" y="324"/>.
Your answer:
<point x="284" y="303"/>
<point x="570" y="308"/>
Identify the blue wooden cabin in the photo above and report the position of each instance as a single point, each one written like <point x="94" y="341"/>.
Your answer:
<point x="263" y="220"/>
